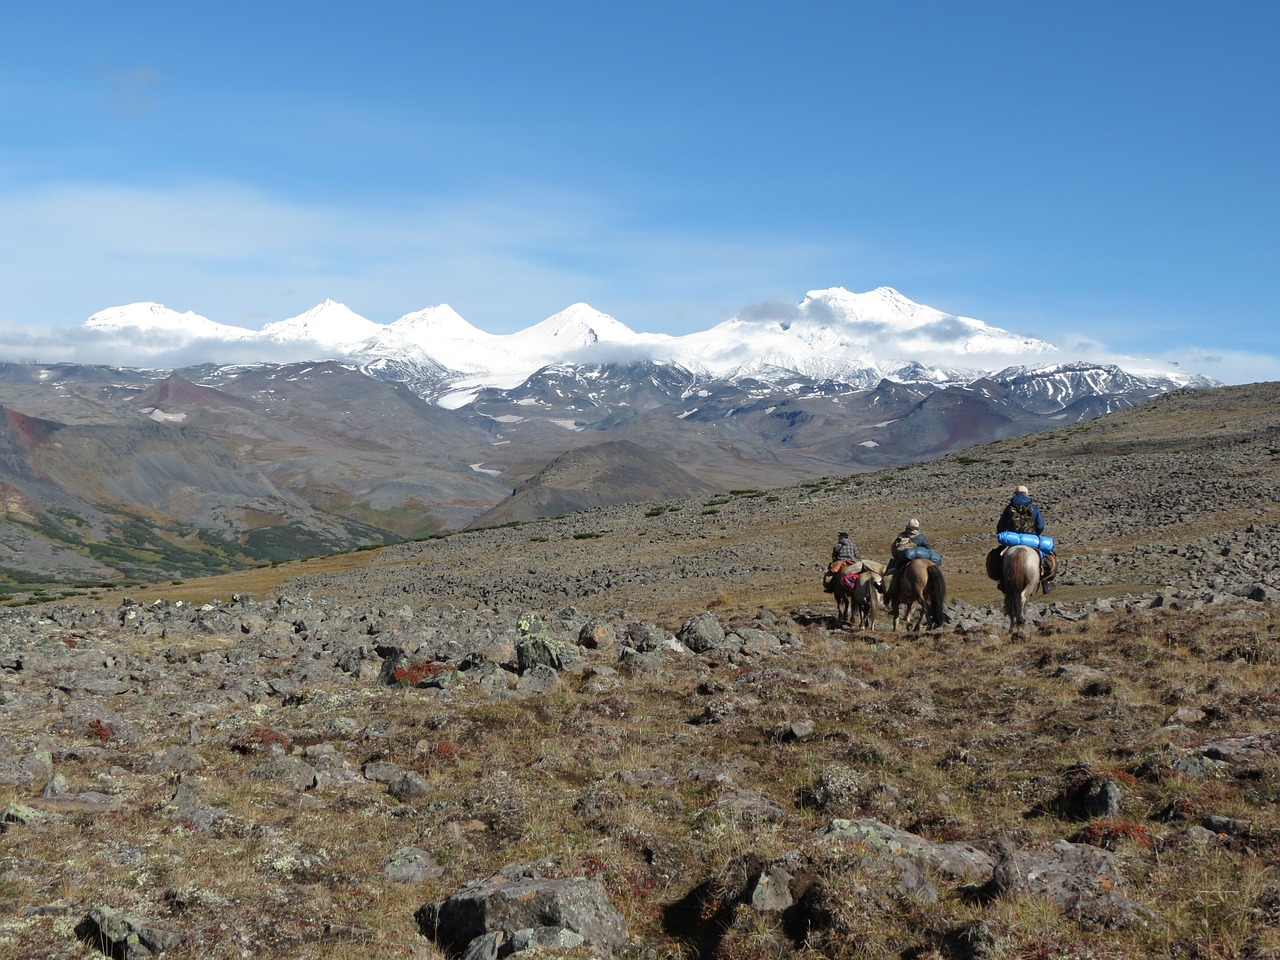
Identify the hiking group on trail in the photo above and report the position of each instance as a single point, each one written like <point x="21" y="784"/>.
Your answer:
<point x="1020" y="524"/>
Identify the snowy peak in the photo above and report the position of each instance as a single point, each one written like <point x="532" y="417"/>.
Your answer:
<point x="438" y="335"/>
<point x="573" y="328"/>
<point x="436" y="322"/>
<point x="891" y="318"/>
<point x="328" y="324"/>
<point x="156" y="319"/>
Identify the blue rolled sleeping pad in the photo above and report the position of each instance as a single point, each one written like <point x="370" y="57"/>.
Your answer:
<point x="1010" y="539"/>
<point x="923" y="553"/>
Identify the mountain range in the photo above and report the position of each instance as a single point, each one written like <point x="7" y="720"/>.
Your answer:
<point x="357" y="432"/>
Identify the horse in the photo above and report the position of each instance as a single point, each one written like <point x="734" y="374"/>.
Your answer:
<point x="918" y="582"/>
<point x="1019" y="578"/>
<point x="834" y="582"/>
<point x="866" y="599"/>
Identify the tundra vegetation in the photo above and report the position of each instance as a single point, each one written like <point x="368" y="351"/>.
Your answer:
<point x="640" y="733"/>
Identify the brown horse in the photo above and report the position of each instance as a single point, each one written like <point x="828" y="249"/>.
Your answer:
<point x="1020" y="575"/>
<point x="921" y="583"/>
<point x="866" y="600"/>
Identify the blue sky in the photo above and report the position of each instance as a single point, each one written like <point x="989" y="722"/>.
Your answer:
<point x="1100" y="175"/>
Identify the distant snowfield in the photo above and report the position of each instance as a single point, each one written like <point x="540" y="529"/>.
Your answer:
<point x="161" y="417"/>
<point x="480" y="468"/>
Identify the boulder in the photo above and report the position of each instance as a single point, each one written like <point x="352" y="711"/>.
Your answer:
<point x="704" y="633"/>
<point x="1077" y="879"/>
<point x="955" y="861"/>
<point x="512" y="901"/>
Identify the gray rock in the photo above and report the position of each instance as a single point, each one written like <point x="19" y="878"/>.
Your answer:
<point x="598" y="635"/>
<point x="1078" y="879"/>
<point x="291" y="772"/>
<point x="408" y="787"/>
<point x="956" y="861"/>
<point x="17" y="813"/>
<point x="120" y="934"/>
<point x="24" y="770"/>
<point x="645" y="637"/>
<point x="755" y="642"/>
<point x="411" y="865"/>
<point x="771" y="892"/>
<point x="509" y="903"/>
<point x="538" y="681"/>
<point x="382" y="771"/>
<point x="751" y="806"/>
<point x="704" y="633"/>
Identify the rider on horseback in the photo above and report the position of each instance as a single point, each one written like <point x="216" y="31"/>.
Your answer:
<point x="1021" y="515"/>
<point x="845" y="561"/>
<point x="918" y="565"/>
<point x="845" y="549"/>
<point x="908" y="538"/>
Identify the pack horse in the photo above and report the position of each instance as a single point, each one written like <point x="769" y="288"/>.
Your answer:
<point x="1019" y="578"/>
<point x="855" y="587"/>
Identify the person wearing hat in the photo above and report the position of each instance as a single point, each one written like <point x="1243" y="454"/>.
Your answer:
<point x="1021" y="515"/>
<point x="908" y="538"/>
<point x="845" y="549"/>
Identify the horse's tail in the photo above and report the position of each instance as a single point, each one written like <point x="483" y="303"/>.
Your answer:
<point x="936" y="596"/>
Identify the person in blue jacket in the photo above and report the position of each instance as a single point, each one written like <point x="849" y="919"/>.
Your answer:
<point x="1021" y="515"/>
<point x="910" y="537"/>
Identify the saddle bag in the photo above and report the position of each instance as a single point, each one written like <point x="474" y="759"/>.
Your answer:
<point x="995" y="569"/>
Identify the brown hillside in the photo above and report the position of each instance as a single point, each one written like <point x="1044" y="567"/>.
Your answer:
<point x="638" y="732"/>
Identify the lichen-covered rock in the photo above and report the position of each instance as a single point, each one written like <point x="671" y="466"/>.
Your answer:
<point x="120" y="934"/>
<point x="1078" y="879"/>
<point x="703" y="633"/>
<point x="410" y="864"/>
<point x="513" y="901"/>
<point x="957" y="861"/>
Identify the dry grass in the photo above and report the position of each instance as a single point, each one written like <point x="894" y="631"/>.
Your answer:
<point x="954" y="737"/>
<point x="951" y="739"/>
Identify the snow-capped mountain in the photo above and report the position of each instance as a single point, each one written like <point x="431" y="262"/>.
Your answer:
<point x="832" y="334"/>
<point x="329" y="324"/>
<point x="157" y="321"/>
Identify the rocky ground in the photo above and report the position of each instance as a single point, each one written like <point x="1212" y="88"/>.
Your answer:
<point x="639" y="731"/>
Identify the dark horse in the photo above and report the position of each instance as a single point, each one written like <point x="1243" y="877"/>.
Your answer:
<point x="919" y="582"/>
<point x="1019" y="577"/>
<point x="857" y="606"/>
<point x="834" y="583"/>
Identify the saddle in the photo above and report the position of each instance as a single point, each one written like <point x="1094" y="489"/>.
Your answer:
<point x="844" y="572"/>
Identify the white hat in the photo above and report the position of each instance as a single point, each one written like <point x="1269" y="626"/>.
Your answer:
<point x="913" y="524"/>
<point x="1023" y="491"/>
